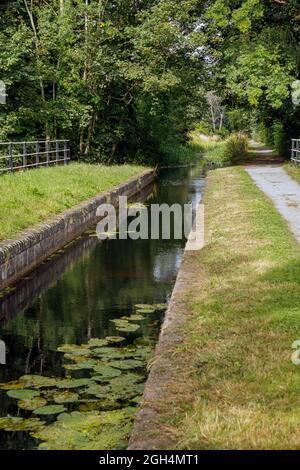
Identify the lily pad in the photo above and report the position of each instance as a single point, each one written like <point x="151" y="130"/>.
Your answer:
<point x="73" y="349"/>
<point x="103" y="351"/>
<point x="13" y="385"/>
<point x="38" y="381"/>
<point x="75" y="357"/>
<point x="50" y="410"/>
<point x="11" y="423"/>
<point x="23" y="394"/>
<point x="65" y="397"/>
<point x="128" y="378"/>
<point x="130" y="328"/>
<point x="32" y="403"/>
<point x="136" y="399"/>
<point x="145" y="308"/>
<point x="136" y="317"/>
<point x="106" y="371"/>
<point x="97" y="342"/>
<point x="99" y="391"/>
<point x="115" y="339"/>
<point x="87" y="430"/>
<point x="160" y="307"/>
<point x="116" y="353"/>
<point x="127" y="364"/>
<point x="73" y="383"/>
<point x="90" y="364"/>
<point x="125" y="325"/>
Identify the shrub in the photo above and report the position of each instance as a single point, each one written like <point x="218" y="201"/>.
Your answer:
<point x="236" y="147"/>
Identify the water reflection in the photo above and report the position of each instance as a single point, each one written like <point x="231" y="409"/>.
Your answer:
<point x="72" y="296"/>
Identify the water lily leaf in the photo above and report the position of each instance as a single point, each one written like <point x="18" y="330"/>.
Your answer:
<point x="87" y="430"/>
<point x="13" y="385"/>
<point x="106" y="371"/>
<point x="73" y="349"/>
<point x="74" y="383"/>
<point x="90" y="405"/>
<point x="127" y="364"/>
<point x="75" y="357"/>
<point x="50" y="410"/>
<point x="65" y="397"/>
<point x="145" y="308"/>
<point x="115" y="353"/>
<point x="97" y="342"/>
<point x="160" y="307"/>
<point x="103" y="351"/>
<point x="127" y="379"/>
<point x="32" y="403"/>
<point x="89" y="364"/>
<point x="115" y="339"/>
<point x="137" y="399"/>
<point x="23" y="394"/>
<point x="125" y="325"/>
<point x="136" y="317"/>
<point x="11" y="423"/>
<point x="99" y="391"/>
<point x="119" y="321"/>
<point x="130" y="328"/>
<point x="38" y="381"/>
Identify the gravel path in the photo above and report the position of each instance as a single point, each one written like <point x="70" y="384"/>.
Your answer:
<point x="282" y="190"/>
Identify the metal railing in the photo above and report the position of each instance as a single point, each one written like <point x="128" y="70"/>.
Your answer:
<point x="22" y="155"/>
<point x="295" y="150"/>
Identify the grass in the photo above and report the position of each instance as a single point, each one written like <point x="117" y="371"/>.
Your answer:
<point x="242" y="319"/>
<point x="293" y="171"/>
<point x="27" y="198"/>
<point x="211" y="152"/>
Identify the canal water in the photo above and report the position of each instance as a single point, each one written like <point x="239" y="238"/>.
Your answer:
<point x="71" y="299"/>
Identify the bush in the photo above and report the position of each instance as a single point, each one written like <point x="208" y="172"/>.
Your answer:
<point x="281" y="140"/>
<point x="236" y="147"/>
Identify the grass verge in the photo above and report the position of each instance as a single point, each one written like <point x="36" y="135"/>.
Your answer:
<point x="293" y="171"/>
<point x="27" y="198"/>
<point x="242" y="319"/>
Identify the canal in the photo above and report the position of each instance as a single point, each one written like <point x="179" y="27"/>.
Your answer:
<point x="80" y="330"/>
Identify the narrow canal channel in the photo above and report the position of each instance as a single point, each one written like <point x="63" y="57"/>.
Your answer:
<point x="74" y="375"/>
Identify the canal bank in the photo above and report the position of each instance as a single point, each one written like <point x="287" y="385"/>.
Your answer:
<point x="223" y="377"/>
<point x="21" y="255"/>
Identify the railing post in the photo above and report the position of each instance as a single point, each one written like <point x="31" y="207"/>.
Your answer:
<point x="10" y="156"/>
<point x="24" y="155"/>
<point x="65" y="152"/>
<point x="57" y="149"/>
<point x="47" y="151"/>
<point x="37" y="153"/>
